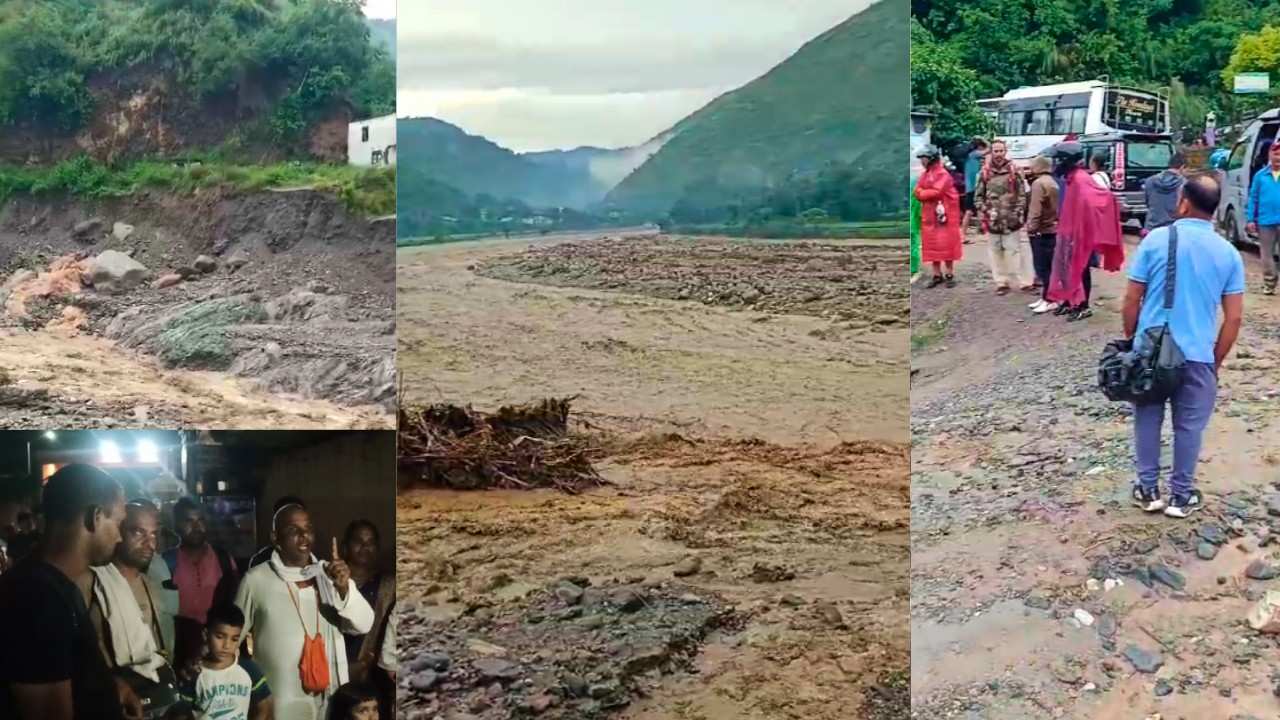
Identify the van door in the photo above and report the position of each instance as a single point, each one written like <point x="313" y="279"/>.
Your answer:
<point x="1237" y="190"/>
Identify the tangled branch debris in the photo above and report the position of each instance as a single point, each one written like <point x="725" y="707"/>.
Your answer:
<point x="518" y="447"/>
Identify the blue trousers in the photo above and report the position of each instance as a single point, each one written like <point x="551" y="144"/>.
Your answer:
<point x="1192" y="407"/>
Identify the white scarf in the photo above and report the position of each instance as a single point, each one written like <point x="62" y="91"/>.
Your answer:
<point x="131" y="641"/>
<point x="312" y="571"/>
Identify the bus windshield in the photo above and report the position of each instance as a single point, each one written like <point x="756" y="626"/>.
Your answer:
<point x="1148" y="155"/>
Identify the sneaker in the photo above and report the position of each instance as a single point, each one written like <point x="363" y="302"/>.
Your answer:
<point x="1062" y="310"/>
<point x="1081" y="314"/>
<point x="1181" y="506"/>
<point x="936" y="281"/>
<point x="1148" y="500"/>
<point x="1002" y="291"/>
<point x="1048" y="307"/>
<point x="951" y="281"/>
<point x="1036" y="304"/>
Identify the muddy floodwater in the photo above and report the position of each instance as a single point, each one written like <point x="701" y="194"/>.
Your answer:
<point x="748" y="554"/>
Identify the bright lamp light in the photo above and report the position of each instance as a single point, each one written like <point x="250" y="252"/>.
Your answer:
<point x="148" y="452"/>
<point x="109" y="452"/>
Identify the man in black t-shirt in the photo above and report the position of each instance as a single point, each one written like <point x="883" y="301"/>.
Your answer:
<point x="50" y="665"/>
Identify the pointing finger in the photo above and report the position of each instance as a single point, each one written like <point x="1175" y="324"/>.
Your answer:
<point x="335" y="555"/>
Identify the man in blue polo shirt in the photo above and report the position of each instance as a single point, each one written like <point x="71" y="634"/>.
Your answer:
<point x="1209" y="274"/>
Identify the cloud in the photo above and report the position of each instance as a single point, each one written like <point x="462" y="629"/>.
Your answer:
<point x="537" y="74"/>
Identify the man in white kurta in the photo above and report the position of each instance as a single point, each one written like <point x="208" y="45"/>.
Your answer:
<point x="287" y="599"/>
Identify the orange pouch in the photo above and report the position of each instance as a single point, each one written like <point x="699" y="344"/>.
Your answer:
<point x="314" y="665"/>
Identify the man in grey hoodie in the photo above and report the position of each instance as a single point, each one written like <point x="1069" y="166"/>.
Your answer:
<point x="1162" y="193"/>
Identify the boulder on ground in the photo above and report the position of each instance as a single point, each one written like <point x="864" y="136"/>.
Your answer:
<point x="237" y="260"/>
<point x="87" y="230"/>
<point x="206" y="264"/>
<point x="121" y="231"/>
<point x="167" y="280"/>
<point x="113" y="272"/>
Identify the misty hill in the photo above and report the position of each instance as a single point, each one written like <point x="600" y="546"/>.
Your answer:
<point x="841" y="98"/>
<point x="477" y="165"/>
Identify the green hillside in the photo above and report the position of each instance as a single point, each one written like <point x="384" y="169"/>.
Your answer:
<point x="839" y="103"/>
<point x="136" y="78"/>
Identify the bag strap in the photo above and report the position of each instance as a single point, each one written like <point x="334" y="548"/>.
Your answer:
<point x="297" y="607"/>
<point x="1171" y="268"/>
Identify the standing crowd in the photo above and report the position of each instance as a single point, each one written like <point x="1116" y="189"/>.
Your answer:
<point x="1184" y="297"/>
<point x="100" y="623"/>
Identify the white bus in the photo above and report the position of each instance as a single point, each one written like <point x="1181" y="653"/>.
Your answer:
<point x="1032" y="119"/>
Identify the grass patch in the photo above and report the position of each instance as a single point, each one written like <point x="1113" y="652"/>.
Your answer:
<point x="197" y="337"/>
<point x="928" y="333"/>
<point x="365" y="191"/>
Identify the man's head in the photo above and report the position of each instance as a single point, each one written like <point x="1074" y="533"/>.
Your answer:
<point x="140" y="535"/>
<point x="1177" y="162"/>
<point x="1200" y="196"/>
<point x="1097" y="164"/>
<point x="293" y="535"/>
<point x="26" y="522"/>
<point x="190" y="523"/>
<point x="999" y="151"/>
<point x="1274" y="156"/>
<point x="222" y="633"/>
<point x="84" y="506"/>
<point x="286" y="501"/>
<point x="360" y="544"/>
<point x="1041" y="164"/>
<point x="981" y="145"/>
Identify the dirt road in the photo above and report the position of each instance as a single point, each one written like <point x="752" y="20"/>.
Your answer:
<point x="1021" y="518"/>
<point x="756" y="505"/>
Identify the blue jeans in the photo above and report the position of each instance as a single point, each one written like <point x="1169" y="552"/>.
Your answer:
<point x="1192" y="408"/>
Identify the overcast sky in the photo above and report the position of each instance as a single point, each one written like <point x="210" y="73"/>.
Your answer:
<point x="381" y="8"/>
<point x="542" y="74"/>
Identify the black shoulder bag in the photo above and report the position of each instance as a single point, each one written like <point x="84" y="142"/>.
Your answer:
<point x="1154" y="372"/>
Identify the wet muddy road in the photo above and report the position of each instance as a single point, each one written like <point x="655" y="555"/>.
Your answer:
<point x="1037" y="589"/>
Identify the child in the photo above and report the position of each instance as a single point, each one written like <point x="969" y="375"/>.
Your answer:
<point x="224" y="686"/>
<point x="354" y="701"/>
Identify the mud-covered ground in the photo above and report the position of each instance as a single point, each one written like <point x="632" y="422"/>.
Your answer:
<point x="748" y="557"/>
<point x="1021" y="520"/>
<point x="293" y="327"/>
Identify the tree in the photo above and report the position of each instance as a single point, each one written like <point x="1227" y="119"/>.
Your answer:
<point x="42" y="83"/>
<point x="941" y="81"/>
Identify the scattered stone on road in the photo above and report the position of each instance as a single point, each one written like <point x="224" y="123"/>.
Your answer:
<point x="1260" y="570"/>
<point x="689" y="566"/>
<point x="1142" y="660"/>
<point x="121" y="231"/>
<point x="113" y="272"/>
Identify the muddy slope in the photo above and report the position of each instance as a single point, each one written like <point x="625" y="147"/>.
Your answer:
<point x="300" y="299"/>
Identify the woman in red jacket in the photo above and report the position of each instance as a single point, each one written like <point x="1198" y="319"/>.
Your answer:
<point x="941" y="237"/>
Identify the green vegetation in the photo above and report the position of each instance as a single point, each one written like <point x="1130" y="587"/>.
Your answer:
<point x="927" y="334"/>
<point x="967" y="49"/>
<point x="841" y="99"/>
<point x="197" y="337"/>
<point x="299" y="58"/>
<point x="368" y="191"/>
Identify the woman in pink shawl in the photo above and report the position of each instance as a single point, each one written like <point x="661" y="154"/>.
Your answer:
<point x="1088" y="234"/>
<point x="941" y="237"/>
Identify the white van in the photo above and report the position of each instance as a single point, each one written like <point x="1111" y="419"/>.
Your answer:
<point x="1247" y="157"/>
